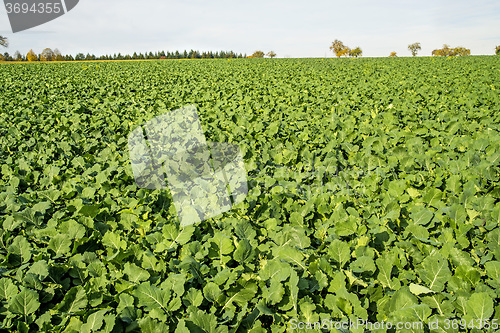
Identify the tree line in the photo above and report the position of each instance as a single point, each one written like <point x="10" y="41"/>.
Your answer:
<point x="54" y="55"/>
<point x="339" y="49"/>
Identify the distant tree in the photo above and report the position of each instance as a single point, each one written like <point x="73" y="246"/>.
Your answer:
<point x="393" y="54"/>
<point x="58" y="56"/>
<point x="257" y="54"/>
<point x="339" y="48"/>
<point x="271" y="54"/>
<point x="414" y="48"/>
<point x="47" y="55"/>
<point x="3" y="41"/>
<point x="447" y="51"/>
<point x="80" y="56"/>
<point x="497" y="50"/>
<point x="31" y="56"/>
<point x="356" y="52"/>
<point x="460" y="51"/>
<point x="18" y="56"/>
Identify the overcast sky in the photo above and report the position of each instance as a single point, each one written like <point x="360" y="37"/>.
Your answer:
<point x="290" y="28"/>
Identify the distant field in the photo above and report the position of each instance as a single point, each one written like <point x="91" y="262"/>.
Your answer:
<point x="374" y="189"/>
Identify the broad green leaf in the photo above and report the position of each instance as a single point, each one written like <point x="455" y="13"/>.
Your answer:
<point x="7" y="289"/>
<point x="480" y="306"/>
<point x="175" y="282"/>
<point x="24" y="303"/>
<point x="135" y="274"/>
<point x="206" y="322"/>
<point x="275" y="269"/>
<point x="212" y="292"/>
<point x="39" y="268"/>
<point x="340" y="252"/>
<point x="421" y="216"/>
<point x="241" y="295"/>
<point x="174" y="236"/>
<point x="385" y="266"/>
<point x="60" y="244"/>
<point x="223" y="244"/>
<point x="21" y="248"/>
<point x="417" y="290"/>
<point x="275" y="292"/>
<point x="243" y="251"/>
<point x="151" y="297"/>
<point x="74" y="301"/>
<point x="434" y="272"/>
<point x="193" y="297"/>
<point x="493" y="271"/>
<point x="149" y="325"/>
<point x="114" y="241"/>
<point x="94" y="322"/>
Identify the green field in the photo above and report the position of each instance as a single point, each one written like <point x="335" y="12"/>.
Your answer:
<point x="374" y="189"/>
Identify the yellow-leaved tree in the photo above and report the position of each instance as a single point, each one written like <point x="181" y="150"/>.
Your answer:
<point x="31" y="56"/>
<point x="257" y="54"/>
<point x="339" y="48"/>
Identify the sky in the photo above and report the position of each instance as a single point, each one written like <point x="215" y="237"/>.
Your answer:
<point x="289" y="28"/>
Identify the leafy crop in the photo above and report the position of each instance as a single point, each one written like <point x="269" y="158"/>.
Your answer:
<point x="373" y="194"/>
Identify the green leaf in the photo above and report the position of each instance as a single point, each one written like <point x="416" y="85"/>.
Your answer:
<point x="94" y="321"/>
<point x="401" y="300"/>
<point x="294" y="289"/>
<point x="434" y="272"/>
<point x="480" y="306"/>
<point x="385" y="266"/>
<point x="241" y="295"/>
<point x="223" y="244"/>
<point x="416" y="289"/>
<point x="134" y="273"/>
<point x="7" y="289"/>
<point x="114" y="241"/>
<point x="207" y="322"/>
<point x="89" y="210"/>
<point x="24" y="303"/>
<point x="21" y="248"/>
<point x="275" y="270"/>
<point x="275" y="292"/>
<point x="433" y="197"/>
<point x="40" y="268"/>
<point x="174" y="236"/>
<point x="74" y="301"/>
<point x="151" y="297"/>
<point x="149" y="325"/>
<point x="340" y="252"/>
<point x="421" y="216"/>
<point x="175" y="282"/>
<point x="193" y="297"/>
<point x="212" y="292"/>
<point x="243" y="251"/>
<point x="60" y="244"/>
<point x="493" y="271"/>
